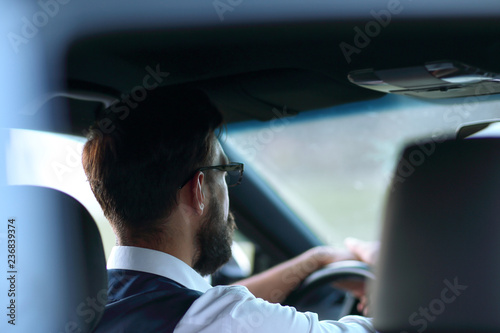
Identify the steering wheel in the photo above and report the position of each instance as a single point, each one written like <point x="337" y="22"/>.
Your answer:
<point x="326" y="291"/>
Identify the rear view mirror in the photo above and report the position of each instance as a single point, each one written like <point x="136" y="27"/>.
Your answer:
<point x="481" y="129"/>
<point x="434" y="80"/>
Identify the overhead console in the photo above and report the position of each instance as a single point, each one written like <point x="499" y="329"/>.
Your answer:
<point x="442" y="79"/>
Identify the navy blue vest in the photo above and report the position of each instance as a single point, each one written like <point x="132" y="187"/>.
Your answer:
<point x="143" y="302"/>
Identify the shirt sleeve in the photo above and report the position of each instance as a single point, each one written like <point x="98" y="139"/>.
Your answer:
<point x="233" y="309"/>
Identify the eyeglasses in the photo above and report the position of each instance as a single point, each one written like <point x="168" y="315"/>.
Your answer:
<point x="234" y="173"/>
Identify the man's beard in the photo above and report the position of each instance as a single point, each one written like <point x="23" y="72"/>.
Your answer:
<point x="214" y="239"/>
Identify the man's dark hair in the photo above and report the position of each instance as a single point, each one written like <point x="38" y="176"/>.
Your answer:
<point x="137" y="162"/>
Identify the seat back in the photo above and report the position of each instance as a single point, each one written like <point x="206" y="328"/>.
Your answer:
<point x="58" y="278"/>
<point x="439" y="268"/>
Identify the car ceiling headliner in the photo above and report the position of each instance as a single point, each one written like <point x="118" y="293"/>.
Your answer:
<point x="264" y="55"/>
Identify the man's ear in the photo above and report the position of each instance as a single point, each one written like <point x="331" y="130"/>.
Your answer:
<point x="197" y="194"/>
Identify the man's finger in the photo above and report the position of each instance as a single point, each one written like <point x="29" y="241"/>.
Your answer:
<point x="365" y="251"/>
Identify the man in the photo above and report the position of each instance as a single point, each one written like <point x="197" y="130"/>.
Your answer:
<point x="159" y="176"/>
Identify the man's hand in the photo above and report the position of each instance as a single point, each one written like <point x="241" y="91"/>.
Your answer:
<point x="276" y="283"/>
<point x="368" y="253"/>
<point x="324" y="255"/>
<point x="362" y="250"/>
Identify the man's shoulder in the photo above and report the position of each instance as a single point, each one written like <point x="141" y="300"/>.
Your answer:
<point x="128" y="283"/>
<point x="134" y="296"/>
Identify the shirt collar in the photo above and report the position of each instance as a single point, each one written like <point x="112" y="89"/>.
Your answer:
<point x="156" y="262"/>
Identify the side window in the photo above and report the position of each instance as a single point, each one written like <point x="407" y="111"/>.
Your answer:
<point x="54" y="160"/>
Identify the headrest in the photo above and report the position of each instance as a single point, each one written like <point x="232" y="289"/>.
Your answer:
<point x="58" y="275"/>
<point x="439" y="266"/>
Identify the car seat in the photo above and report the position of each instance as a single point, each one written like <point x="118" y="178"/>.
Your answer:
<point x="59" y="277"/>
<point x="439" y="268"/>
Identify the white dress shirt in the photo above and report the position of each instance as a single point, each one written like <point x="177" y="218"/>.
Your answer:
<point x="228" y="309"/>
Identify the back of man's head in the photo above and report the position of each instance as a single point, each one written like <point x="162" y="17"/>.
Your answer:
<point x="137" y="156"/>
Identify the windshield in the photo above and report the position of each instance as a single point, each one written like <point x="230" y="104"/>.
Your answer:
<point x="332" y="167"/>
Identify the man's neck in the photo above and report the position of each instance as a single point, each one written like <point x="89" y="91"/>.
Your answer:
<point x="177" y="242"/>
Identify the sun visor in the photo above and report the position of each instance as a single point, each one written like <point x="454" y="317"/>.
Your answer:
<point x="261" y="95"/>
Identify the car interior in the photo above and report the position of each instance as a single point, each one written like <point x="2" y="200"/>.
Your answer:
<point x="352" y="119"/>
